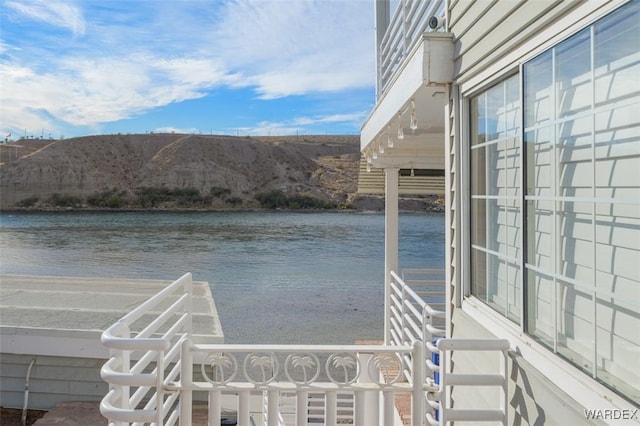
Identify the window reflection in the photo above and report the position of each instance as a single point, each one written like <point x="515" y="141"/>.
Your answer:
<point x="582" y="135"/>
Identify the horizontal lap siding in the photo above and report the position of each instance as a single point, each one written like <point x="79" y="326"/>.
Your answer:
<point x="485" y="31"/>
<point x="53" y="380"/>
<point x="373" y="183"/>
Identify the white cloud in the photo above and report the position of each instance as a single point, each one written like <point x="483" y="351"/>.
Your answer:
<point x="86" y="92"/>
<point x="333" y="118"/>
<point x="153" y="54"/>
<point x="169" y="129"/>
<point x="300" y="125"/>
<point x="61" y="14"/>
<point x="297" y="47"/>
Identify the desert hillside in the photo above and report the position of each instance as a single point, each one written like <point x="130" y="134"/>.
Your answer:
<point x="172" y="170"/>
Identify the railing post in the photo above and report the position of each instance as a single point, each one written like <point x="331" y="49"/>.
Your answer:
<point x="160" y="388"/>
<point x="417" y="399"/>
<point x="244" y="397"/>
<point x="214" y="407"/>
<point x="186" y="381"/>
<point x="124" y="358"/>
<point x="331" y="408"/>
<point x="360" y="408"/>
<point x="273" y="402"/>
<point x="188" y="289"/>
<point x="371" y="399"/>
<point x="302" y="402"/>
<point x="388" y="404"/>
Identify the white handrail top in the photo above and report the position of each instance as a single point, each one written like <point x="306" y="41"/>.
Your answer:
<point x="473" y="344"/>
<point x="144" y="307"/>
<point x="111" y="341"/>
<point x="300" y="348"/>
<point x="288" y="386"/>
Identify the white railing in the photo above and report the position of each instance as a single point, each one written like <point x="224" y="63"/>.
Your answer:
<point x="409" y="22"/>
<point x="413" y="319"/>
<point x="309" y="372"/>
<point x="450" y="379"/>
<point x="414" y="303"/>
<point x="142" y="360"/>
<point x="155" y="371"/>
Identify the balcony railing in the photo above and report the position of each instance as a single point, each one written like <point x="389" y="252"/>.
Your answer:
<point x="409" y="22"/>
<point x="155" y="374"/>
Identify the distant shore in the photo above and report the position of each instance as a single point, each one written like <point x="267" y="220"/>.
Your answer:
<point x="188" y="210"/>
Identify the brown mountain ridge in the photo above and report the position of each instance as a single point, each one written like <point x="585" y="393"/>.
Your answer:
<point x="177" y="170"/>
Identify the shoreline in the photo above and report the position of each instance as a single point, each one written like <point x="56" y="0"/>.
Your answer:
<point x="186" y="210"/>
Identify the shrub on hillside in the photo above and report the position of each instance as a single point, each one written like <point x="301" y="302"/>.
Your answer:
<point x="234" y="201"/>
<point x="64" y="200"/>
<point x="277" y="199"/>
<point x="219" y="192"/>
<point x="27" y="202"/>
<point x="149" y="197"/>
<point x="307" y="201"/>
<point x="108" y="199"/>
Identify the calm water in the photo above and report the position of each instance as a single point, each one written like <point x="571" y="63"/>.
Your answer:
<point x="275" y="277"/>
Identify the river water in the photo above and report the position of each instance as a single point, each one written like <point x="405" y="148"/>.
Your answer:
<point x="276" y="277"/>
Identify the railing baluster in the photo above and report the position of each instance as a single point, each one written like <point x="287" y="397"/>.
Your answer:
<point x="417" y="400"/>
<point x="273" y="397"/>
<point x="302" y="401"/>
<point x="214" y="407"/>
<point x="331" y="408"/>
<point x="244" y="408"/>
<point x="160" y="388"/>
<point x="186" y="379"/>
<point x="388" y="401"/>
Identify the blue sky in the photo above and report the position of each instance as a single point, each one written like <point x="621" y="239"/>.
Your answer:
<point x="247" y="67"/>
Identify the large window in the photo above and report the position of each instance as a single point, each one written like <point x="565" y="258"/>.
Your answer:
<point x="576" y="208"/>
<point x="495" y="197"/>
<point x="582" y="137"/>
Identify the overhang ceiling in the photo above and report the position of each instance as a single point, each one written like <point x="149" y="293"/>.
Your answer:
<point x="419" y="88"/>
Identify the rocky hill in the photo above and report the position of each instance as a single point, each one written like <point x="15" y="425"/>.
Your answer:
<point x="173" y="171"/>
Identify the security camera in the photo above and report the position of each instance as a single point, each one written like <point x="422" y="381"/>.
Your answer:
<point x="436" y="22"/>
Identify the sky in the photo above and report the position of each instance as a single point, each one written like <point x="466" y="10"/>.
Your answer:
<point x="239" y="67"/>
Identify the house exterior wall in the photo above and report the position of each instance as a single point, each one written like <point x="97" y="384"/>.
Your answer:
<point x="486" y="31"/>
<point x="52" y="380"/>
<point x="533" y="398"/>
<point x="493" y="39"/>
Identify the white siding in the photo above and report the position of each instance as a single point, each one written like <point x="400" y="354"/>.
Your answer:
<point x="53" y="380"/>
<point x="492" y="39"/>
<point x="486" y="30"/>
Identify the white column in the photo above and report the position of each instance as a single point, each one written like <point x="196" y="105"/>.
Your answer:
<point x="390" y="242"/>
